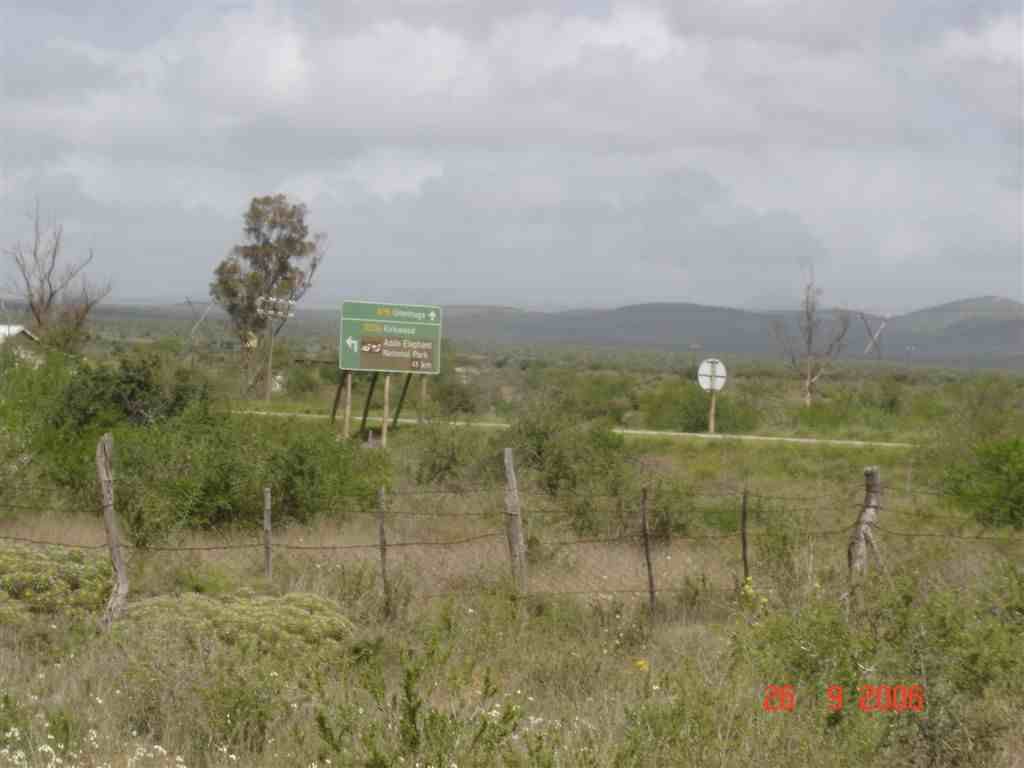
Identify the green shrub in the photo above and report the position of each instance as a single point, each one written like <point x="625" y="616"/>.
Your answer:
<point x="52" y="581"/>
<point x="453" y="394"/>
<point x="220" y="673"/>
<point x="670" y="509"/>
<point x="585" y="465"/>
<point x="203" y="472"/>
<point x="312" y="472"/>
<point x="414" y="730"/>
<point x="301" y="380"/>
<point x="682" y="406"/>
<point x="590" y="395"/>
<point x="278" y="627"/>
<point x="132" y="392"/>
<point x="444" y="453"/>
<point x="888" y="396"/>
<point x="29" y="400"/>
<point x="991" y="483"/>
<point x="328" y="374"/>
<point x="188" y="473"/>
<point x="568" y="456"/>
<point x="961" y="646"/>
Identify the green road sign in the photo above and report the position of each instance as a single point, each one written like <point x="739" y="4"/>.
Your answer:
<point x="390" y="338"/>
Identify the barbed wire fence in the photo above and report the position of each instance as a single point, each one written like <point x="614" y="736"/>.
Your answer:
<point x="533" y="543"/>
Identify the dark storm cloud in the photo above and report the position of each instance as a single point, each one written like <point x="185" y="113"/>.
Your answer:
<point x="531" y="151"/>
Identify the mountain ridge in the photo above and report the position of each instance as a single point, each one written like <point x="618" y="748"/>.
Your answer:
<point x="984" y="329"/>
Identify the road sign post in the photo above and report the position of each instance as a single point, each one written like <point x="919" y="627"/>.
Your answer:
<point x="711" y="376"/>
<point x="711" y="412"/>
<point x="385" y="339"/>
<point x="272" y="308"/>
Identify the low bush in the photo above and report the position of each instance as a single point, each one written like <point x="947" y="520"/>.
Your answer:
<point x="991" y="482"/>
<point x="682" y="406"/>
<point x="670" y="509"/>
<point x="565" y="454"/>
<point x="132" y="391"/>
<point x="980" y="453"/>
<point x="961" y="646"/>
<point x="446" y="454"/>
<point x="179" y="464"/>
<point x="51" y="581"/>
<point x="413" y="730"/>
<point x="218" y="674"/>
<point x="301" y="380"/>
<point x="209" y="472"/>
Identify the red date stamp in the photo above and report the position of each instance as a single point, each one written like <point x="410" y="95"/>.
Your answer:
<point x="871" y="698"/>
<point x="779" y="698"/>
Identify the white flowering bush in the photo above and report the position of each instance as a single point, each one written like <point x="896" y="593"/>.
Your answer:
<point x="215" y="672"/>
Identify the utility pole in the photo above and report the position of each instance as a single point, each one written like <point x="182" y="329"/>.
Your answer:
<point x="195" y="327"/>
<point x="272" y="309"/>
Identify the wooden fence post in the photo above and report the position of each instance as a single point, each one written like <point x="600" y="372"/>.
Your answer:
<point x="647" y="547"/>
<point x="862" y="538"/>
<point x="383" y="540"/>
<point x="337" y="396"/>
<point x="105" y="473"/>
<point x="514" y="526"/>
<point x="743" y="536"/>
<point x="267" y="565"/>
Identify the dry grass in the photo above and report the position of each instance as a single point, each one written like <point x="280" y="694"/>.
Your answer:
<point x="590" y="673"/>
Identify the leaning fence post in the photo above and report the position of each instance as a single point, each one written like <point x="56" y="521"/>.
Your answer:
<point x="267" y="564"/>
<point x="861" y="538"/>
<point x="105" y="473"/>
<point x="743" y="535"/>
<point x="383" y="540"/>
<point x="514" y="526"/>
<point x="647" y="547"/>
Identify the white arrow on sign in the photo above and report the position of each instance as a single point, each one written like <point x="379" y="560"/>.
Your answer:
<point x="433" y="315"/>
<point x="352" y="344"/>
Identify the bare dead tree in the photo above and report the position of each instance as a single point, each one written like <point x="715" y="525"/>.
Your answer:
<point x="874" y="336"/>
<point x="807" y="355"/>
<point x="57" y="293"/>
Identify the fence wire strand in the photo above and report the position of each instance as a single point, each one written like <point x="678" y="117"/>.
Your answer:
<point x="578" y="543"/>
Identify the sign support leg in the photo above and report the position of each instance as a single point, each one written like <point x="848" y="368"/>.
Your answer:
<point x="270" y="357"/>
<point x="337" y="396"/>
<point x="347" y="429"/>
<point x="422" y="405"/>
<point x="384" y="421"/>
<point x="369" y="399"/>
<point x="401" y="399"/>
<point x="711" y="415"/>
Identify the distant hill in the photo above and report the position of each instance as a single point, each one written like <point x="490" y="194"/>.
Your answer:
<point x="987" y="328"/>
<point x="986" y="309"/>
<point x="985" y="331"/>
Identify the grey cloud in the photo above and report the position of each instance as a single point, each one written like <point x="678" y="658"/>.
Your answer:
<point x="836" y="24"/>
<point x="682" y="224"/>
<point x="605" y="150"/>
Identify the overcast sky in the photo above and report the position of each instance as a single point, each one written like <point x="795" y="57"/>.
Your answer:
<point x="530" y="153"/>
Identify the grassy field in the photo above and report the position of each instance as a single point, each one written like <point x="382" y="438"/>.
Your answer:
<point x="214" y="664"/>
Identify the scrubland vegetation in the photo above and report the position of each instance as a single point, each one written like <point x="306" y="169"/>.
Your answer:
<point x="213" y="664"/>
